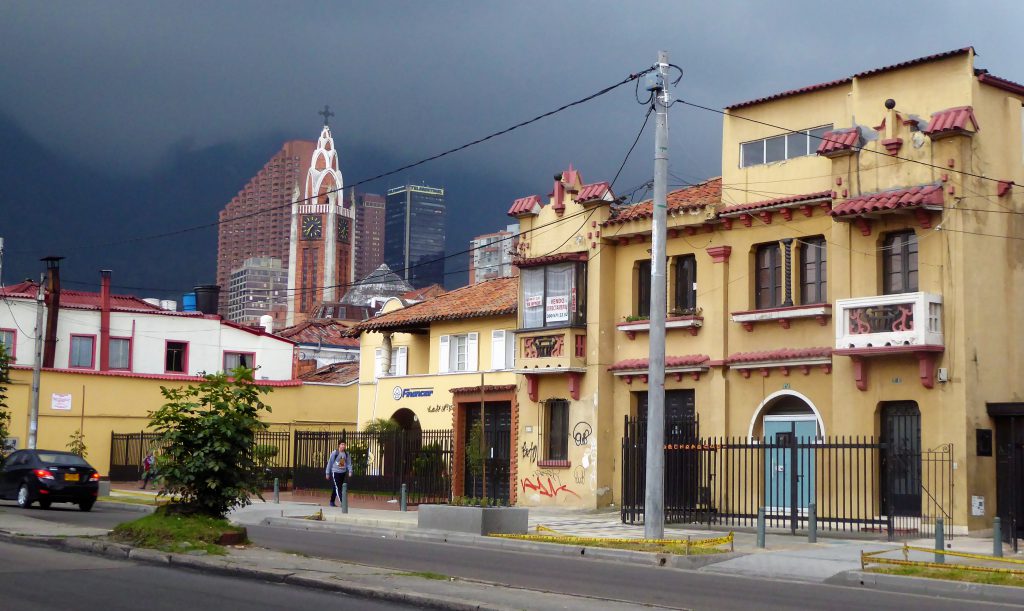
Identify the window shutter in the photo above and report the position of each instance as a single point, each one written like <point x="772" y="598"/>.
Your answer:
<point x="402" y="362"/>
<point x="471" y="352"/>
<point x="497" y="349"/>
<point x="442" y="359"/>
<point x="510" y="350"/>
<point x="376" y="363"/>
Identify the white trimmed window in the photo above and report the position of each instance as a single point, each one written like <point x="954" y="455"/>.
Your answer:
<point x="399" y="362"/>
<point x="503" y="350"/>
<point x="120" y="353"/>
<point x="7" y="341"/>
<point x="458" y="353"/>
<point x="782" y="147"/>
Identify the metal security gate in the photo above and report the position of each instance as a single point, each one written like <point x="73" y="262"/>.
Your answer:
<point x="726" y="481"/>
<point x="497" y="433"/>
<point x="127" y="451"/>
<point x="381" y="462"/>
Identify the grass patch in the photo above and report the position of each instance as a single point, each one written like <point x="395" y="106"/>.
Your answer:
<point x="175" y="533"/>
<point x="424" y="575"/>
<point x="952" y="574"/>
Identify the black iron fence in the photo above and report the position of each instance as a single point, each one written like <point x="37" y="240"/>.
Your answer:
<point x="381" y="462"/>
<point x="855" y="483"/>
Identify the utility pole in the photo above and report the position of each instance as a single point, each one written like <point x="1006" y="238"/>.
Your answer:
<point x="37" y="367"/>
<point x="654" y="495"/>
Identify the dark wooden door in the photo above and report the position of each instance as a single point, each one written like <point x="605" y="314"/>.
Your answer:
<point x="497" y="434"/>
<point x="901" y="459"/>
<point x="1010" y="475"/>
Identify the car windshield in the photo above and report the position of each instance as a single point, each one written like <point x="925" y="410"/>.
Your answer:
<point x="62" y="460"/>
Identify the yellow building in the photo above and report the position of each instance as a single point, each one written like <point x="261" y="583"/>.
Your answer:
<point x="854" y="272"/>
<point x="102" y="403"/>
<point x="430" y="365"/>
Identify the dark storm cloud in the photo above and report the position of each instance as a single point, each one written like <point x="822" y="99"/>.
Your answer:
<point x="144" y="117"/>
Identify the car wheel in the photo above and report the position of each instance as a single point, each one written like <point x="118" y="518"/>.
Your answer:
<point x="24" y="499"/>
<point x="44" y="504"/>
<point x="86" y="505"/>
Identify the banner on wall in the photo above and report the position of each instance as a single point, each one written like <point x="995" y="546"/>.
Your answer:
<point x="557" y="309"/>
<point x="60" y="402"/>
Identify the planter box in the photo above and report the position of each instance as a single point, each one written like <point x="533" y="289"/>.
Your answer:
<point x="475" y="520"/>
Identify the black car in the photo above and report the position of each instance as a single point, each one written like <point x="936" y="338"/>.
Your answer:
<point x="48" y="476"/>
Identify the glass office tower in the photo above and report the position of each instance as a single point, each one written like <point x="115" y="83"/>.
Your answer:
<point x="414" y="218"/>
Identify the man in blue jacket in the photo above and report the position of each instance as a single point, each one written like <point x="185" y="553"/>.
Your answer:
<point x="339" y="466"/>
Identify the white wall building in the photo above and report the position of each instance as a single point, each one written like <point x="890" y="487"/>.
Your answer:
<point x="143" y="338"/>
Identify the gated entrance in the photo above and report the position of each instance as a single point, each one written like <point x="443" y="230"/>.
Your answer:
<point x="1009" y="449"/>
<point x="497" y="442"/>
<point x="901" y="461"/>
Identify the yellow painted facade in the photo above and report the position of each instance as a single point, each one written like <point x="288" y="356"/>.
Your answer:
<point x="967" y="257"/>
<point x="121" y="404"/>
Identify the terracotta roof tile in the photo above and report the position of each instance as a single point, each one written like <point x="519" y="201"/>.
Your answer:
<point x="498" y="297"/>
<point x="707" y="193"/>
<point x="689" y="360"/>
<point x="328" y="332"/>
<point x="594" y="191"/>
<point x="335" y="373"/>
<point x="784" y="354"/>
<point x="525" y="206"/>
<point x="782" y="202"/>
<point x="951" y="120"/>
<point x="424" y="293"/>
<point x="561" y="257"/>
<point x="81" y="299"/>
<point x="913" y="197"/>
<point x="999" y="83"/>
<point x="839" y="141"/>
<point x="487" y="388"/>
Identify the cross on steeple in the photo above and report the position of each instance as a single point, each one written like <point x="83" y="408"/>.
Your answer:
<point x="326" y="114"/>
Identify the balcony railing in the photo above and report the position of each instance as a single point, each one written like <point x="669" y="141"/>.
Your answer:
<point x="906" y="319"/>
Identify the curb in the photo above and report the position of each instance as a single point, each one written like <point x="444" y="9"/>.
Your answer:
<point x="556" y="549"/>
<point x="127" y="506"/>
<point x="929" y="587"/>
<point x="214" y="564"/>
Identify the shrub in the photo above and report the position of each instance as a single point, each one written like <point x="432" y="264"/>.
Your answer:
<point x="5" y="414"/>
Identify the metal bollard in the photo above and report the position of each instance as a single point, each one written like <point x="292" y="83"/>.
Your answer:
<point x="812" y="523"/>
<point x="344" y="498"/>
<point x="760" y="527"/>
<point x="277" y="491"/>
<point x="403" y="504"/>
<point x="940" y="541"/>
<point x="997" y="538"/>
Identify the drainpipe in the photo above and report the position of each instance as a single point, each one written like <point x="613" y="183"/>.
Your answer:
<point x="104" y="320"/>
<point x="52" y="308"/>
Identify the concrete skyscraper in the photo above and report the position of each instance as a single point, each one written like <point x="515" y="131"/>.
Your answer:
<point x="414" y="233"/>
<point x="368" y="236"/>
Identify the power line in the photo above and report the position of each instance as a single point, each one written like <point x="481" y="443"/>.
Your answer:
<point x="166" y="234"/>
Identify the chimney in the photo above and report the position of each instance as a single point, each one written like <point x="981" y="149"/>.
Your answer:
<point x="207" y="298"/>
<point x="104" y="320"/>
<point x="558" y="205"/>
<point x="52" y="308"/>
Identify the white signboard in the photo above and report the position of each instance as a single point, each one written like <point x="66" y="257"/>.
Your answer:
<point x="977" y="505"/>
<point x="557" y="309"/>
<point x="61" y="402"/>
<point x="533" y="301"/>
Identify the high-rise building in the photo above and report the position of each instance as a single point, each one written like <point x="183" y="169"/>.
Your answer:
<point x="320" y="261"/>
<point x="262" y="208"/>
<point x="490" y="255"/>
<point x="414" y="233"/>
<point x="368" y="236"/>
<point x="258" y="287"/>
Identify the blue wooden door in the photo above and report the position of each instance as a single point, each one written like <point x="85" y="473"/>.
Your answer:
<point x="781" y="474"/>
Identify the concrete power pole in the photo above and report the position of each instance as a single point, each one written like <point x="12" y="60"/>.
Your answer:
<point x="654" y="495"/>
<point x="37" y="366"/>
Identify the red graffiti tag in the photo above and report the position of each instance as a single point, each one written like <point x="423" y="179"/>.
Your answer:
<point x="549" y="490"/>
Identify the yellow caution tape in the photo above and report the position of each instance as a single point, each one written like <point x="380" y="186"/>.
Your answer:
<point x="542" y="528"/>
<point x="573" y="540"/>
<point x="938" y="565"/>
<point x="963" y="555"/>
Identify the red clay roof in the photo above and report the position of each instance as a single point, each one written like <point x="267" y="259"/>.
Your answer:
<point x="561" y="257"/>
<point x="951" y="120"/>
<point x="461" y="390"/>
<point x="328" y="332"/>
<point x="913" y="197"/>
<point x="593" y="191"/>
<point x="784" y="354"/>
<point x="525" y="205"/>
<point x="689" y="360"/>
<point x="335" y="373"/>
<point x="707" y="193"/>
<point x="1000" y="83"/>
<point x="782" y="202"/>
<point x="849" y="79"/>
<point x="424" y="293"/>
<point x="80" y="299"/>
<point x="498" y="297"/>
<point x="839" y="141"/>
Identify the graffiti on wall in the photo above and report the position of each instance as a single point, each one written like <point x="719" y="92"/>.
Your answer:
<point x="546" y="483"/>
<point x="529" y="451"/>
<point x="579" y="474"/>
<point x="447" y="407"/>
<point x="581" y="433"/>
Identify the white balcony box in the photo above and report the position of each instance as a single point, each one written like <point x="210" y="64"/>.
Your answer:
<point x="905" y="319"/>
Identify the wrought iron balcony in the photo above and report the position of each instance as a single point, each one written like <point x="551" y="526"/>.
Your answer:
<point x="889" y="321"/>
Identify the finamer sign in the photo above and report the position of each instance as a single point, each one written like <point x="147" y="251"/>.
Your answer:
<point x="404" y="393"/>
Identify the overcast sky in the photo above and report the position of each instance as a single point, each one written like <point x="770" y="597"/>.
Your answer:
<point x="122" y="119"/>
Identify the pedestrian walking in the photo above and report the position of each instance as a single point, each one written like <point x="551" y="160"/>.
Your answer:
<point x="147" y="469"/>
<point x="339" y="467"/>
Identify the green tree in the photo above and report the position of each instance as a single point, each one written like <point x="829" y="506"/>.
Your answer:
<point x="208" y="433"/>
<point x="5" y="414"/>
<point x="475" y="450"/>
<point x="381" y="425"/>
<point x="76" y="443"/>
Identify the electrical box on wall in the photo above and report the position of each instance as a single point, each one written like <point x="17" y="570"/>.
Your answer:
<point x="942" y="374"/>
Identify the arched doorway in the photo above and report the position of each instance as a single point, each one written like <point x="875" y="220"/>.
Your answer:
<point x="406" y="419"/>
<point x="789" y="425"/>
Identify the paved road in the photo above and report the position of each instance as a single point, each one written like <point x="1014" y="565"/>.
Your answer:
<point x="99" y="517"/>
<point x="40" y="579"/>
<point x="651" y="585"/>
